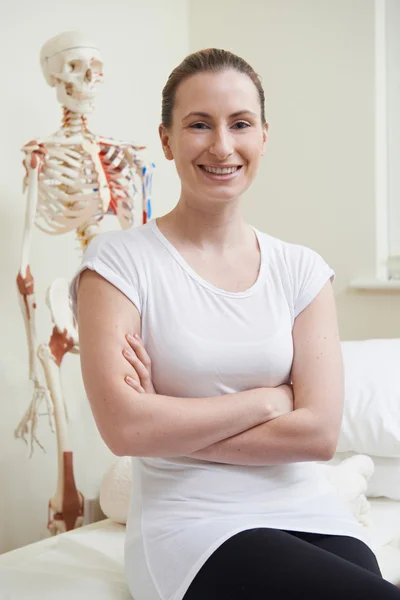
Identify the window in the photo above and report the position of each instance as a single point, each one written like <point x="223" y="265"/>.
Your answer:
<point x="393" y="133"/>
<point x="387" y="43"/>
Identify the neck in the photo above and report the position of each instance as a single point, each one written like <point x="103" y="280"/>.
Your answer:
<point x="73" y="123"/>
<point x="212" y="230"/>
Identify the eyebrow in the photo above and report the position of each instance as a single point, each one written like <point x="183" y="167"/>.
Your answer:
<point x="207" y="116"/>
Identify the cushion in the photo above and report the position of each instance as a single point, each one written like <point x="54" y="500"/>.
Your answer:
<point x="371" y="418"/>
<point x="385" y="480"/>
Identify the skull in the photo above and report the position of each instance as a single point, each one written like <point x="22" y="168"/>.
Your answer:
<point x="73" y="65"/>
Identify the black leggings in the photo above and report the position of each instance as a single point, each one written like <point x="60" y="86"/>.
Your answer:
<point x="270" y="564"/>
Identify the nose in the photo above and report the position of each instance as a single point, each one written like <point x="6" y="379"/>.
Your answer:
<point x="222" y="144"/>
<point x="89" y="75"/>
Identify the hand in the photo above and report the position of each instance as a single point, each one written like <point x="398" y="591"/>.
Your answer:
<point x="282" y="401"/>
<point x="277" y="401"/>
<point x="138" y="358"/>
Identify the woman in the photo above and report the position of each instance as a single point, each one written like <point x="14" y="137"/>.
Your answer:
<point x="244" y="389"/>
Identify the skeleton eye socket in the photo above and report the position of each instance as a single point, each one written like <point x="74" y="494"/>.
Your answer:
<point x="96" y="66"/>
<point x="73" y="65"/>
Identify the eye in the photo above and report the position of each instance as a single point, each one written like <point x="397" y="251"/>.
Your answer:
<point x="241" y="125"/>
<point x="198" y="126"/>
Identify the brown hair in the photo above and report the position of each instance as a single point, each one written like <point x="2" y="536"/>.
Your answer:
<point x="210" y="59"/>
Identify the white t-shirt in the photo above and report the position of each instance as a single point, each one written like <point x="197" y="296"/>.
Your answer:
<point x="204" y="341"/>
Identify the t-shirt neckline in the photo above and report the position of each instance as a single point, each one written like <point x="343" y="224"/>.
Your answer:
<point x="185" y="265"/>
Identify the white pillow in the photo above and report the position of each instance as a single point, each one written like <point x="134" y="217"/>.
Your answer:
<point x="115" y="490"/>
<point x="371" y="418"/>
<point x="385" y="480"/>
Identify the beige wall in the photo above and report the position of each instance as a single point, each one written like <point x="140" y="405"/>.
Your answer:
<point x="139" y="52"/>
<point x="317" y="181"/>
<point x="316" y="184"/>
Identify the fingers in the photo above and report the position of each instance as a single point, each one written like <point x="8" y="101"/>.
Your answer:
<point x="137" y="344"/>
<point x="137" y="356"/>
<point x="129" y="355"/>
<point x="139" y="367"/>
<point x="134" y="384"/>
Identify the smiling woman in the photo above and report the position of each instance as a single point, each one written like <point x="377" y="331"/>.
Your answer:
<point x="234" y="388"/>
<point x="214" y="129"/>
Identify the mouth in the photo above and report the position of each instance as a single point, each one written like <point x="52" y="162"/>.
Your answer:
<point x="220" y="173"/>
<point x="77" y="95"/>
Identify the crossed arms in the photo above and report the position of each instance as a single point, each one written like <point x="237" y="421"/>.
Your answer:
<point x="257" y="427"/>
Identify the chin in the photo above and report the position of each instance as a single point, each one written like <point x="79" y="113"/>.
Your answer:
<point x="223" y="196"/>
<point x="227" y="193"/>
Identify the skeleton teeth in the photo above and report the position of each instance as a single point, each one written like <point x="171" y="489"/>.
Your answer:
<point x="218" y="171"/>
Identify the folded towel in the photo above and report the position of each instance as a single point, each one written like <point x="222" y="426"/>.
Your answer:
<point x="350" y="478"/>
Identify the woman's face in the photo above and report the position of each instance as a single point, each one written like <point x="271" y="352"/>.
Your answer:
<point x="217" y="137"/>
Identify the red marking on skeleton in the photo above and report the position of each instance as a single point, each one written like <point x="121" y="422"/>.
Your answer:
<point x="144" y="217"/>
<point x="34" y="305"/>
<point x="67" y="116"/>
<point x="26" y="287"/>
<point x="60" y="344"/>
<point x="72" y="502"/>
<point x="113" y="204"/>
<point x="118" y="191"/>
<point x="36" y="156"/>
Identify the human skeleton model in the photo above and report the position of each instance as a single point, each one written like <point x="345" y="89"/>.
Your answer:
<point x="73" y="178"/>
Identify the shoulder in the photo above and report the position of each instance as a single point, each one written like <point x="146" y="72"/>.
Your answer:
<point x="302" y="270"/>
<point x="118" y="256"/>
<point x="295" y="257"/>
<point x="125" y="243"/>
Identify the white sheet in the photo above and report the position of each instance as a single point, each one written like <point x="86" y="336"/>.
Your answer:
<point x="88" y="562"/>
<point x="84" y="563"/>
<point x="386" y="536"/>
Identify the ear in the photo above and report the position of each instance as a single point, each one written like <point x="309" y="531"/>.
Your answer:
<point x="164" y="137"/>
<point x="265" y="138"/>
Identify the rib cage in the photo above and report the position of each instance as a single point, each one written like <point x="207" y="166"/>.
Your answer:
<point x="120" y="177"/>
<point x="68" y="194"/>
<point x="68" y="190"/>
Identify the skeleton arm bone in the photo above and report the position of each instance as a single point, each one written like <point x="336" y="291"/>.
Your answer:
<point x="25" y="283"/>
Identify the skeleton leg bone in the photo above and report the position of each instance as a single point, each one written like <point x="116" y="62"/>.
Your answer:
<point x="66" y="505"/>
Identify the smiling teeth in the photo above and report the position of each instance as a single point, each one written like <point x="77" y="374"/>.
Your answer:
<point x="223" y="171"/>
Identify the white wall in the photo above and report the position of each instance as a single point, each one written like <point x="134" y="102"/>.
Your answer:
<point x="317" y="181"/>
<point x="141" y="42"/>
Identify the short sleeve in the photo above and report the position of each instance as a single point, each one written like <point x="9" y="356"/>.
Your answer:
<point x="110" y="257"/>
<point x="309" y="273"/>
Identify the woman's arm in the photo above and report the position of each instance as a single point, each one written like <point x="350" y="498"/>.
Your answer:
<point x="311" y="431"/>
<point x="147" y="424"/>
